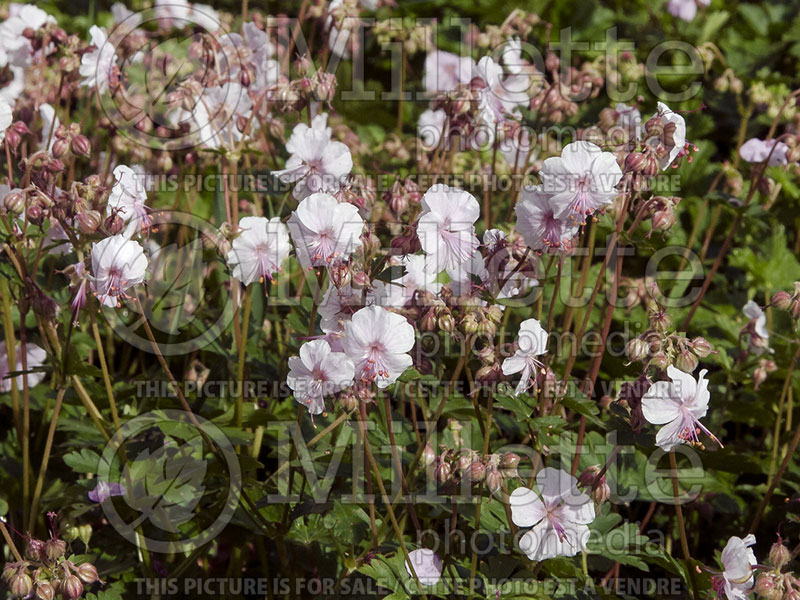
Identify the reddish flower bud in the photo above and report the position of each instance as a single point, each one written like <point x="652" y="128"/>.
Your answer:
<point x="80" y="146"/>
<point x="782" y="300"/>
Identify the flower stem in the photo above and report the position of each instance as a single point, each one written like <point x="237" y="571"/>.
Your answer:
<point x="37" y="492"/>
<point x="101" y="355"/>
<point x="681" y="526"/>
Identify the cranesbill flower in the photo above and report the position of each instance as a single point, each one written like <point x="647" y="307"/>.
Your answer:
<point x="446" y="226"/>
<point x="532" y="342"/>
<point x="753" y="312"/>
<point x="50" y="123"/>
<point x="258" y="252"/>
<point x="416" y="277"/>
<point x="678" y="404"/>
<point x="427" y="566"/>
<point x="675" y="141"/>
<point x="128" y="197"/>
<point x="537" y="222"/>
<point x="559" y="515"/>
<point x="318" y="372"/>
<point x="325" y="230"/>
<point x="378" y="342"/>
<point x="430" y="128"/>
<point x="5" y="118"/>
<point x="35" y="357"/>
<point x="582" y="180"/>
<point x="757" y="151"/>
<point x="105" y="490"/>
<point x="738" y="561"/>
<point x="444" y="71"/>
<point x="316" y="164"/>
<point x="97" y="66"/>
<point x="118" y="264"/>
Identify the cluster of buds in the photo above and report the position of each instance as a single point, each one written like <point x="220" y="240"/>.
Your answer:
<point x="661" y="210"/>
<point x="401" y="195"/>
<point x="46" y="572"/>
<point x="760" y="373"/>
<point x="554" y="103"/>
<point x="655" y="347"/>
<point x="466" y="465"/>
<point x="70" y="140"/>
<point x="774" y="584"/>
<point x="728" y="82"/>
<point x="593" y="480"/>
<point x="789" y="302"/>
<point x="517" y="24"/>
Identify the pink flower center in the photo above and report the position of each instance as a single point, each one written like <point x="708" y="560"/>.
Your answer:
<point x="374" y="366"/>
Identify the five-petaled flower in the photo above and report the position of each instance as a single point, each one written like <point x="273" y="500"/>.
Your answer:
<point x="738" y="560"/>
<point x="118" y="264"/>
<point x="559" y="515"/>
<point x="325" y="230"/>
<point x="679" y="405"/>
<point x="378" y="342"/>
<point x="258" y="252"/>
<point x="318" y="372"/>
<point x="532" y="342"/>
<point x="446" y="227"/>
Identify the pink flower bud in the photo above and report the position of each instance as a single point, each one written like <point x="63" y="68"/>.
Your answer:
<point x="782" y="300"/>
<point x="21" y="584"/>
<point x="80" y="146"/>
<point x="71" y="588"/>
<point x="87" y="573"/>
<point x="779" y="555"/>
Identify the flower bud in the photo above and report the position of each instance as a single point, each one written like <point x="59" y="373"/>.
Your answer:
<point x="782" y="300"/>
<point x="80" y="146"/>
<point x="45" y="591"/>
<point x="794" y="309"/>
<point x="89" y="221"/>
<point x="635" y="162"/>
<point x="660" y="360"/>
<point x="14" y="202"/>
<point x="87" y="573"/>
<point x="114" y="224"/>
<point x="779" y="555"/>
<point x="21" y="584"/>
<point x="636" y="349"/>
<point x="442" y="472"/>
<point x="34" y="549"/>
<point x="686" y="361"/>
<point x="71" y="588"/>
<point x="54" y="549"/>
<point x="494" y="480"/>
<point x="477" y="471"/>
<point x="428" y="455"/>
<point x="60" y="147"/>
<point x="447" y="323"/>
<point x="766" y="587"/>
<point x="662" y="220"/>
<point x="510" y="460"/>
<point x="701" y="347"/>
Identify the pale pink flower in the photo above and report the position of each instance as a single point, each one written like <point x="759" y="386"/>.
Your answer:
<point x="325" y="230"/>
<point x="685" y="10"/>
<point x="15" y="47"/>
<point x="738" y="561"/>
<point x="378" y="342"/>
<point x="97" y="66"/>
<point x="537" y="222"/>
<point x="427" y="566"/>
<point x="319" y="123"/>
<point x="753" y="312"/>
<point x="5" y="118"/>
<point x="50" y="123"/>
<point x="105" y="490"/>
<point x="446" y="226"/>
<point x="559" y="516"/>
<point x="756" y="151"/>
<point x="259" y="250"/>
<point x="318" y="372"/>
<point x="669" y="116"/>
<point x="679" y="405"/>
<point x="417" y="276"/>
<point x="532" y="342"/>
<point x="316" y="164"/>
<point x="118" y="264"/>
<point x="34" y="358"/>
<point x="128" y="197"/>
<point x="582" y="180"/>
<point x="430" y="128"/>
<point x="338" y="306"/>
<point x="444" y="71"/>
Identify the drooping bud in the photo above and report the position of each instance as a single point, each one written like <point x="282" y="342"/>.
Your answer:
<point x="45" y="591"/>
<point x="80" y="146"/>
<point x="477" y="471"/>
<point x="428" y="455"/>
<point x="494" y="480"/>
<point x="782" y="300"/>
<point x="636" y="349"/>
<point x="71" y="588"/>
<point x="779" y="555"/>
<point x="442" y="472"/>
<point x="701" y="347"/>
<point x="55" y="549"/>
<point x="21" y="584"/>
<point x="14" y="202"/>
<point x="686" y="361"/>
<point x="87" y="573"/>
<point x="89" y="221"/>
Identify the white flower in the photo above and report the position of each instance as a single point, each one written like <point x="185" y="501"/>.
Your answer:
<point x="118" y="264"/>
<point x="560" y="518"/>
<point x="15" y="47"/>
<point x="670" y="117"/>
<point x="338" y="305"/>
<point x="318" y="372"/>
<point x="205" y="16"/>
<point x="317" y="164"/>
<point x="446" y="226"/>
<point x="417" y="276"/>
<point x="753" y="312"/>
<point x="444" y="71"/>
<point x="172" y="13"/>
<point x="537" y="222"/>
<point x="430" y="128"/>
<point x="34" y="357"/>
<point x="97" y="65"/>
<point x="324" y="230"/>
<point x="679" y="405"/>
<point x="630" y="119"/>
<point x="582" y="180"/>
<point x="685" y="10"/>
<point x="128" y="197"/>
<point x="50" y="123"/>
<point x="259" y="250"/>
<point x="378" y="342"/>
<point x="532" y="341"/>
<point x="124" y="17"/>
<point x="756" y="151"/>
<point x="427" y="566"/>
<point x="318" y="123"/>
<point x="5" y="118"/>
<point x="738" y="561"/>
